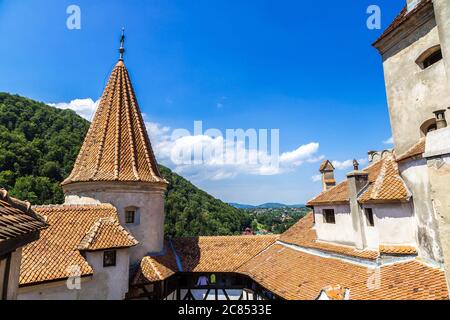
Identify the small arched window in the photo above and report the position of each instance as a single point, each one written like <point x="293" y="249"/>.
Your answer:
<point x="429" y="57"/>
<point x="428" y="126"/>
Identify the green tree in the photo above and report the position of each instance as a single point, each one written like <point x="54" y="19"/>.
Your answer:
<point x="35" y="189"/>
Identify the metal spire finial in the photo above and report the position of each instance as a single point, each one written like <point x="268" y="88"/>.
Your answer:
<point x="122" y="48"/>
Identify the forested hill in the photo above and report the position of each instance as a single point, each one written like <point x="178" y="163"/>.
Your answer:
<point x="39" y="144"/>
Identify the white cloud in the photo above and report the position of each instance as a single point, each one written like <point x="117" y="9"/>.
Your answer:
<point x="84" y="107"/>
<point x="344" y="165"/>
<point x="316" y="178"/>
<point x="304" y="153"/>
<point x="221" y="159"/>
<point x="389" y="141"/>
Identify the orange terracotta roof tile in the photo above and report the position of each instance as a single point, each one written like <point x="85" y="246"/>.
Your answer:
<point x="388" y="185"/>
<point x="203" y="254"/>
<point x="336" y="194"/>
<point x="302" y="234"/>
<point x="416" y="150"/>
<point x="156" y="268"/>
<point x="117" y="146"/>
<point x="107" y="233"/>
<point x="296" y="275"/>
<point x="385" y="184"/>
<point x="56" y="252"/>
<point x="17" y="219"/>
<point x="398" y="250"/>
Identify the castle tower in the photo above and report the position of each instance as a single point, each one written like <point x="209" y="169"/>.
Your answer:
<point x="415" y="49"/>
<point x="116" y="165"/>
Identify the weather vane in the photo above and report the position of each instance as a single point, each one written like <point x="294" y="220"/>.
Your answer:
<point x="122" y="41"/>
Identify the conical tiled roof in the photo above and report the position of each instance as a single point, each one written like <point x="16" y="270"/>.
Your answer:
<point x="116" y="147"/>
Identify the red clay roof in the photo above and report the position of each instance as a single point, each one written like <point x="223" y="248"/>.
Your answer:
<point x="397" y="250"/>
<point x="117" y="146"/>
<point x="296" y="275"/>
<point x="107" y="233"/>
<point x="385" y="185"/>
<point x="157" y="268"/>
<point x="56" y="252"/>
<point x="203" y="254"/>
<point x="415" y="151"/>
<point x="388" y="185"/>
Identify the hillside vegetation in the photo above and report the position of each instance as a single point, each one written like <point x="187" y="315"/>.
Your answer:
<point x="39" y="144"/>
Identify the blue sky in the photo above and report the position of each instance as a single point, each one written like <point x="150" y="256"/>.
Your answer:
<point x="305" y="68"/>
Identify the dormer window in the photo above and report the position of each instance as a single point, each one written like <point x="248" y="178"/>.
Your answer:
<point x="429" y="57"/>
<point x="328" y="216"/>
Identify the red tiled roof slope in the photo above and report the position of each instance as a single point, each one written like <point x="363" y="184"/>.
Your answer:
<point x="388" y="185"/>
<point x="385" y="184"/>
<point x="203" y="254"/>
<point x="296" y="275"/>
<point x="416" y="150"/>
<point x="107" y="233"/>
<point x="56" y="252"/>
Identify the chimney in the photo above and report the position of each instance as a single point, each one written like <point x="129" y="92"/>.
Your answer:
<point x="440" y="119"/>
<point x="357" y="180"/>
<point x="327" y="171"/>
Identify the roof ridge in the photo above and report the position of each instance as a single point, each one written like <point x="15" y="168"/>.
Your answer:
<point x="23" y="205"/>
<point x="93" y="232"/>
<point x="379" y="180"/>
<point x="98" y="205"/>
<point x="130" y="133"/>
<point x="148" y="153"/>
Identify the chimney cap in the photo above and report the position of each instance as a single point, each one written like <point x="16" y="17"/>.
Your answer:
<point x="357" y="173"/>
<point x="440" y="111"/>
<point x="326" y="166"/>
